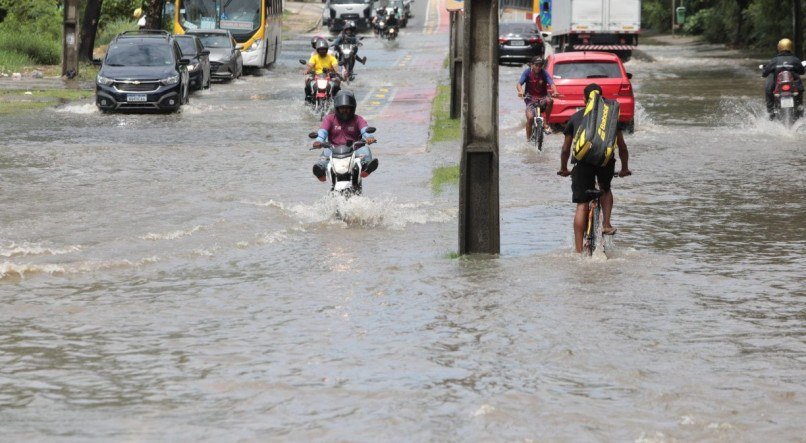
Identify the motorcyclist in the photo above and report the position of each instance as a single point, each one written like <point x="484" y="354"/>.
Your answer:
<point x="784" y="60"/>
<point x="348" y="36"/>
<point x="380" y="14"/>
<point x="319" y="63"/>
<point x="341" y="128"/>
<point x="533" y="86"/>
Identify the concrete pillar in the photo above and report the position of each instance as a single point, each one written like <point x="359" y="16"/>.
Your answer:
<point x="70" y="39"/>
<point x="455" y="58"/>
<point x="479" y="226"/>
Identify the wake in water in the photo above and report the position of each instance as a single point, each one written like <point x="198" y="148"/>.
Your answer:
<point x="365" y="212"/>
<point x="751" y="115"/>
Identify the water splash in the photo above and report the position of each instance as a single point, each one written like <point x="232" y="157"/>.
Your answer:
<point x="172" y="235"/>
<point x="75" y="108"/>
<point x="25" y="249"/>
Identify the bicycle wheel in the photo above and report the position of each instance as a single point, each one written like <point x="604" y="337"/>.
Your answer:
<point x="590" y="239"/>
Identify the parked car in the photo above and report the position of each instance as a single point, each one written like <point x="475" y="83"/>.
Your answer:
<point x="336" y="12"/>
<point x="226" y="61"/>
<point x="143" y="70"/>
<point x="572" y="71"/>
<point x="519" y="41"/>
<point x="199" y="67"/>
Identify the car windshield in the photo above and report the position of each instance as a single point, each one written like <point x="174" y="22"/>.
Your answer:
<point x="128" y="54"/>
<point x="215" y="40"/>
<point x="349" y="2"/>
<point x="587" y="70"/>
<point x="233" y="15"/>
<point x="517" y="28"/>
<point x="187" y="45"/>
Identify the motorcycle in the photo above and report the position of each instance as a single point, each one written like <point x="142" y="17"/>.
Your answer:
<point x="785" y="93"/>
<point x="320" y="93"/>
<point x="385" y="30"/>
<point x="343" y="170"/>
<point x="347" y="56"/>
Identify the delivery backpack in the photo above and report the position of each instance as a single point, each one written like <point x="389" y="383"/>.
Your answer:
<point x="595" y="138"/>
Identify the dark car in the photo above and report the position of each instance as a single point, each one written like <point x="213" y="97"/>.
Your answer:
<point x="199" y="67"/>
<point x="519" y="42"/>
<point x="226" y="61"/>
<point x="142" y="70"/>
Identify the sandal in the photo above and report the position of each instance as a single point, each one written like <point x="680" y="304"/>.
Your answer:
<point x="611" y="231"/>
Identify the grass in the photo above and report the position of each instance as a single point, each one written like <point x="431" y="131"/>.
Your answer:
<point x="443" y="128"/>
<point x="17" y="101"/>
<point x="444" y="175"/>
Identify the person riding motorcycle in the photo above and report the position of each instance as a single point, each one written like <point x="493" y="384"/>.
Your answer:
<point x="319" y="63"/>
<point x="784" y="60"/>
<point x="533" y="86"/>
<point x="348" y="36"/>
<point x="382" y="14"/>
<point x="343" y="127"/>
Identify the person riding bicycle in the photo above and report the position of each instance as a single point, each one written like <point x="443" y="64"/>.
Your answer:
<point x="348" y="36"/>
<point x="585" y="175"/>
<point x="318" y="64"/>
<point x="533" y="86"/>
<point x="784" y="60"/>
<point x="342" y="128"/>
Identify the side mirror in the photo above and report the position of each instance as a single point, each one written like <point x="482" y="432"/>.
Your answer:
<point x="545" y="34"/>
<point x="312" y="135"/>
<point x="371" y="130"/>
<point x="357" y="145"/>
<point x="239" y="46"/>
<point x="184" y="61"/>
<point x="330" y="39"/>
<point x="629" y="76"/>
<point x="302" y="62"/>
<point x="360" y="38"/>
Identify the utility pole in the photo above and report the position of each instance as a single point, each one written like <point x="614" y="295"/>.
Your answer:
<point x="479" y="223"/>
<point x="797" y="25"/>
<point x="70" y="39"/>
<point x="674" y="11"/>
<point x="455" y="55"/>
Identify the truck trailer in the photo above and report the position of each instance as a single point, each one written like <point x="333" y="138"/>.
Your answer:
<point x="592" y="25"/>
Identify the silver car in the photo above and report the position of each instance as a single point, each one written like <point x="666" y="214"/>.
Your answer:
<point x="336" y="12"/>
<point x="226" y="61"/>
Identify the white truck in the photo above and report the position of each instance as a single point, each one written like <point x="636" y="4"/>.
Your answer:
<point x="593" y="25"/>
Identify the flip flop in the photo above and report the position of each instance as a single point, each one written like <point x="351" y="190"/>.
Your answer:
<point x="610" y="232"/>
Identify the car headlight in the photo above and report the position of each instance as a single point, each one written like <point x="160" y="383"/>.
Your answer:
<point x="103" y="80"/>
<point x="193" y="66"/>
<point x="172" y="80"/>
<point x="254" y="46"/>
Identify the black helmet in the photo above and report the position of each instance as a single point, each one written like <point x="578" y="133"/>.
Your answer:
<point x="321" y="44"/>
<point x="349" y="25"/>
<point x="344" y="99"/>
<point x="316" y="39"/>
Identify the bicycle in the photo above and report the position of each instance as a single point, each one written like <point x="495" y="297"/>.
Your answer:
<point x="593" y="237"/>
<point x="537" y="124"/>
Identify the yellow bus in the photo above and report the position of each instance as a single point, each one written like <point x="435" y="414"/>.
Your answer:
<point x="256" y="24"/>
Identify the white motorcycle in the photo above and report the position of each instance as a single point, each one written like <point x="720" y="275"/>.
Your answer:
<point x="347" y="59"/>
<point x="344" y="167"/>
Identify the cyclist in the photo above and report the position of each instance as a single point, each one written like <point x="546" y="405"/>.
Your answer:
<point x="784" y="60"/>
<point x="318" y="64"/>
<point x="533" y="87"/>
<point x="585" y="175"/>
<point x="341" y="128"/>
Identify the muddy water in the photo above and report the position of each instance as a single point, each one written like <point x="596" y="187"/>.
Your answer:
<point x="185" y="278"/>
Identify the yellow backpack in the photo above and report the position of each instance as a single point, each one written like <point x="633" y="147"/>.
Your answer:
<point x="595" y="138"/>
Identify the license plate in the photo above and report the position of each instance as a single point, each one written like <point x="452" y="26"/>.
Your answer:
<point x="517" y="43"/>
<point x="787" y="102"/>
<point x="136" y="98"/>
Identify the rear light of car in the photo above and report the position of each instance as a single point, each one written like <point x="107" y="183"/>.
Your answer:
<point x="625" y="89"/>
<point x="535" y="40"/>
<point x="502" y="40"/>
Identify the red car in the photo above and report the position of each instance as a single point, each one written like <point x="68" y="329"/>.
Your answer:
<point x="572" y="71"/>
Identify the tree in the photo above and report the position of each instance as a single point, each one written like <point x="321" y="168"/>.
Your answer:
<point x="89" y="28"/>
<point x="153" y="13"/>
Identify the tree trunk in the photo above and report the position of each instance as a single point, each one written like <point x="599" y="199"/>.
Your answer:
<point x="153" y="12"/>
<point x="797" y="28"/>
<point x="738" y="38"/>
<point x="89" y="27"/>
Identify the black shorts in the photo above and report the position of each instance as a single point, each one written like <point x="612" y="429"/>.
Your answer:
<point x="584" y="176"/>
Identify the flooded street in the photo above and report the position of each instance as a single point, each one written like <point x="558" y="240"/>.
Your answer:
<point x="185" y="277"/>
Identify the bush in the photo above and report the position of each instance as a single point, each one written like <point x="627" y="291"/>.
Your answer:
<point x="655" y="15"/>
<point x="112" y="29"/>
<point x="39" y="51"/>
<point x="116" y="10"/>
<point x="708" y="23"/>
<point x="12" y="61"/>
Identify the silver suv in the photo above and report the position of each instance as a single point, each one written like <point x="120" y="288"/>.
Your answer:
<point x="336" y="12"/>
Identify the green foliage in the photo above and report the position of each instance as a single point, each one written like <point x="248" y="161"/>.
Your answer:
<point x="708" y="23"/>
<point x="442" y="176"/>
<point x="443" y="128"/>
<point x="655" y="16"/>
<point x="38" y="50"/>
<point x="11" y="61"/>
<point x="116" y="10"/>
<point x="112" y="29"/>
<point x="771" y="23"/>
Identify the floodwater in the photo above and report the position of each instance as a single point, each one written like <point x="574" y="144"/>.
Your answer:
<point x="185" y="278"/>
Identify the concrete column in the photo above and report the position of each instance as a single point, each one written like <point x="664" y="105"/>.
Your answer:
<point x="455" y="57"/>
<point x="479" y="227"/>
<point x="70" y="39"/>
